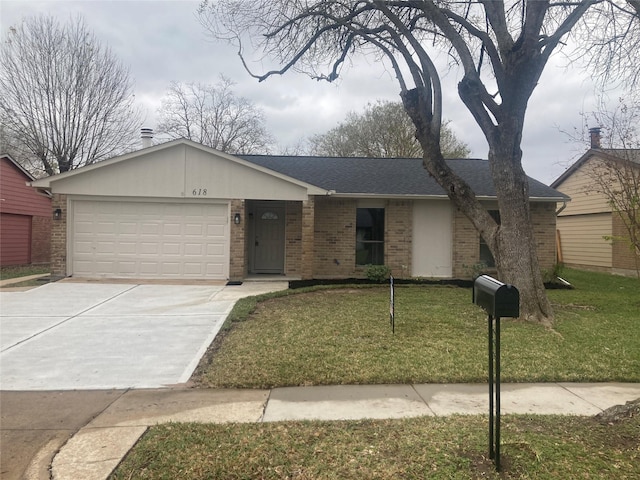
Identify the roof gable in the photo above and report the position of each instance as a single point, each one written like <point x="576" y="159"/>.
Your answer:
<point x="17" y="197"/>
<point x="632" y="155"/>
<point x="7" y="158"/>
<point x="179" y="169"/>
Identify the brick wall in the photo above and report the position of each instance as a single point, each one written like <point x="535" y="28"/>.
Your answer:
<point x="466" y="240"/>
<point x="59" y="238"/>
<point x="466" y="246"/>
<point x="398" y="237"/>
<point x="543" y="216"/>
<point x="238" y="249"/>
<point x="293" y="240"/>
<point x="41" y="239"/>
<point x="308" y="238"/>
<point x="335" y="244"/>
<point x="334" y="238"/>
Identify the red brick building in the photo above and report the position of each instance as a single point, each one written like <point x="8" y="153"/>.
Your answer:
<point x="25" y="217"/>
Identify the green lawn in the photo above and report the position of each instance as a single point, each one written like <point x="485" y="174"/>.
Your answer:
<point x="343" y="336"/>
<point x="22" y="271"/>
<point x="534" y="447"/>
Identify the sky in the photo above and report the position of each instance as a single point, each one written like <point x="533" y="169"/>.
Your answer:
<point x="163" y="41"/>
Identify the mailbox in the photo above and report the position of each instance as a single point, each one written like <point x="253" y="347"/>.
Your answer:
<point x="497" y="298"/>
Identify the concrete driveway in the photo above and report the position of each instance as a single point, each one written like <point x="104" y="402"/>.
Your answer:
<point x="90" y="336"/>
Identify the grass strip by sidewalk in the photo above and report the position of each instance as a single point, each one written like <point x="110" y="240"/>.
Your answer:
<point x="538" y="447"/>
<point x="23" y="271"/>
<point x="342" y="336"/>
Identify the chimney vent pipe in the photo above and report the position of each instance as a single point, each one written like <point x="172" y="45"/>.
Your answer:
<point x="594" y="135"/>
<point x="146" y="134"/>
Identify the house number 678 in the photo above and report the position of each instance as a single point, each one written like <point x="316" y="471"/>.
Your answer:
<point x="199" y="192"/>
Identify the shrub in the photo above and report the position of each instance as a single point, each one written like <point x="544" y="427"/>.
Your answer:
<point x="378" y="273"/>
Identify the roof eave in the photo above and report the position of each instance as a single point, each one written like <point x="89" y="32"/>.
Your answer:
<point x="437" y="197"/>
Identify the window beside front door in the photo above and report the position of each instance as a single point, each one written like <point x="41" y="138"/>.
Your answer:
<point x="486" y="257"/>
<point x="370" y="236"/>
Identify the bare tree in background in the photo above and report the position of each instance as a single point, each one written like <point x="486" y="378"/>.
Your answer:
<point x="616" y="172"/>
<point x="609" y="36"/>
<point x="214" y="116"/>
<point x="502" y="48"/>
<point x="66" y="100"/>
<point x="383" y="130"/>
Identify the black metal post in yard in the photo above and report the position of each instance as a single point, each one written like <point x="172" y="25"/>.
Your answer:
<point x="497" y="439"/>
<point x="392" y="305"/>
<point x="498" y="300"/>
<point x="494" y="390"/>
<point x="490" y="337"/>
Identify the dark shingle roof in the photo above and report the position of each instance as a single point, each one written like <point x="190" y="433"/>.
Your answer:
<point x="386" y="176"/>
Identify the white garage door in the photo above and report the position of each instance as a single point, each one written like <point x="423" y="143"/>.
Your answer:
<point x="149" y="240"/>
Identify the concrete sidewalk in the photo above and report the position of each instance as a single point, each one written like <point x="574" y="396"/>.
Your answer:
<point x="97" y="448"/>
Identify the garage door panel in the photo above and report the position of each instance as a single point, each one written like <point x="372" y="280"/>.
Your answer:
<point x="106" y="247"/>
<point x="215" y="231"/>
<point x="107" y="267"/>
<point x="171" y="269"/>
<point x="193" y="250"/>
<point x="147" y="228"/>
<point x="149" y="240"/>
<point x="171" y="228"/>
<point x="193" y="229"/>
<point x="214" y="269"/>
<point x="171" y="249"/>
<point x="127" y="248"/>
<point x="215" y="250"/>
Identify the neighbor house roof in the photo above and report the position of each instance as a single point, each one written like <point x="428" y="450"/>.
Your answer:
<point x="389" y="176"/>
<point x="631" y="155"/>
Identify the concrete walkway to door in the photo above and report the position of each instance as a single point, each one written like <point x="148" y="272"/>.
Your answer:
<point x="94" y="335"/>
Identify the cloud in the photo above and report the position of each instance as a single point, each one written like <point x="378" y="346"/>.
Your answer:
<point x="162" y="41"/>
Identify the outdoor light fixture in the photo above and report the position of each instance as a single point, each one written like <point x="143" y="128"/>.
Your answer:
<point x="236" y="219"/>
<point x="57" y="214"/>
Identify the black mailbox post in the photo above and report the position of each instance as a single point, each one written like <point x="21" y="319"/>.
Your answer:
<point x="498" y="300"/>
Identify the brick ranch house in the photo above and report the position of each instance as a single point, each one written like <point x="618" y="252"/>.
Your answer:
<point x="180" y="210"/>
<point x="25" y="217"/>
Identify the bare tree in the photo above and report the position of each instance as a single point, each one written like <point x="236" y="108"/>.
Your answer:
<point x="383" y="130"/>
<point x="502" y="48"/>
<point x="65" y="98"/>
<point x="616" y="175"/>
<point x="610" y="42"/>
<point x="616" y="172"/>
<point x="214" y="116"/>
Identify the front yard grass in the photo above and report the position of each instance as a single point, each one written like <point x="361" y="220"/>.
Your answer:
<point x="533" y="447"/>
<point x="17" y="272"/>
<point x="343" y="336"/>
<point x="22" y="271"/>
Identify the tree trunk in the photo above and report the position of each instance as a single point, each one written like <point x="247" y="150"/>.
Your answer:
<point x="514" y="246"/>
<point x="512" y="242"/>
